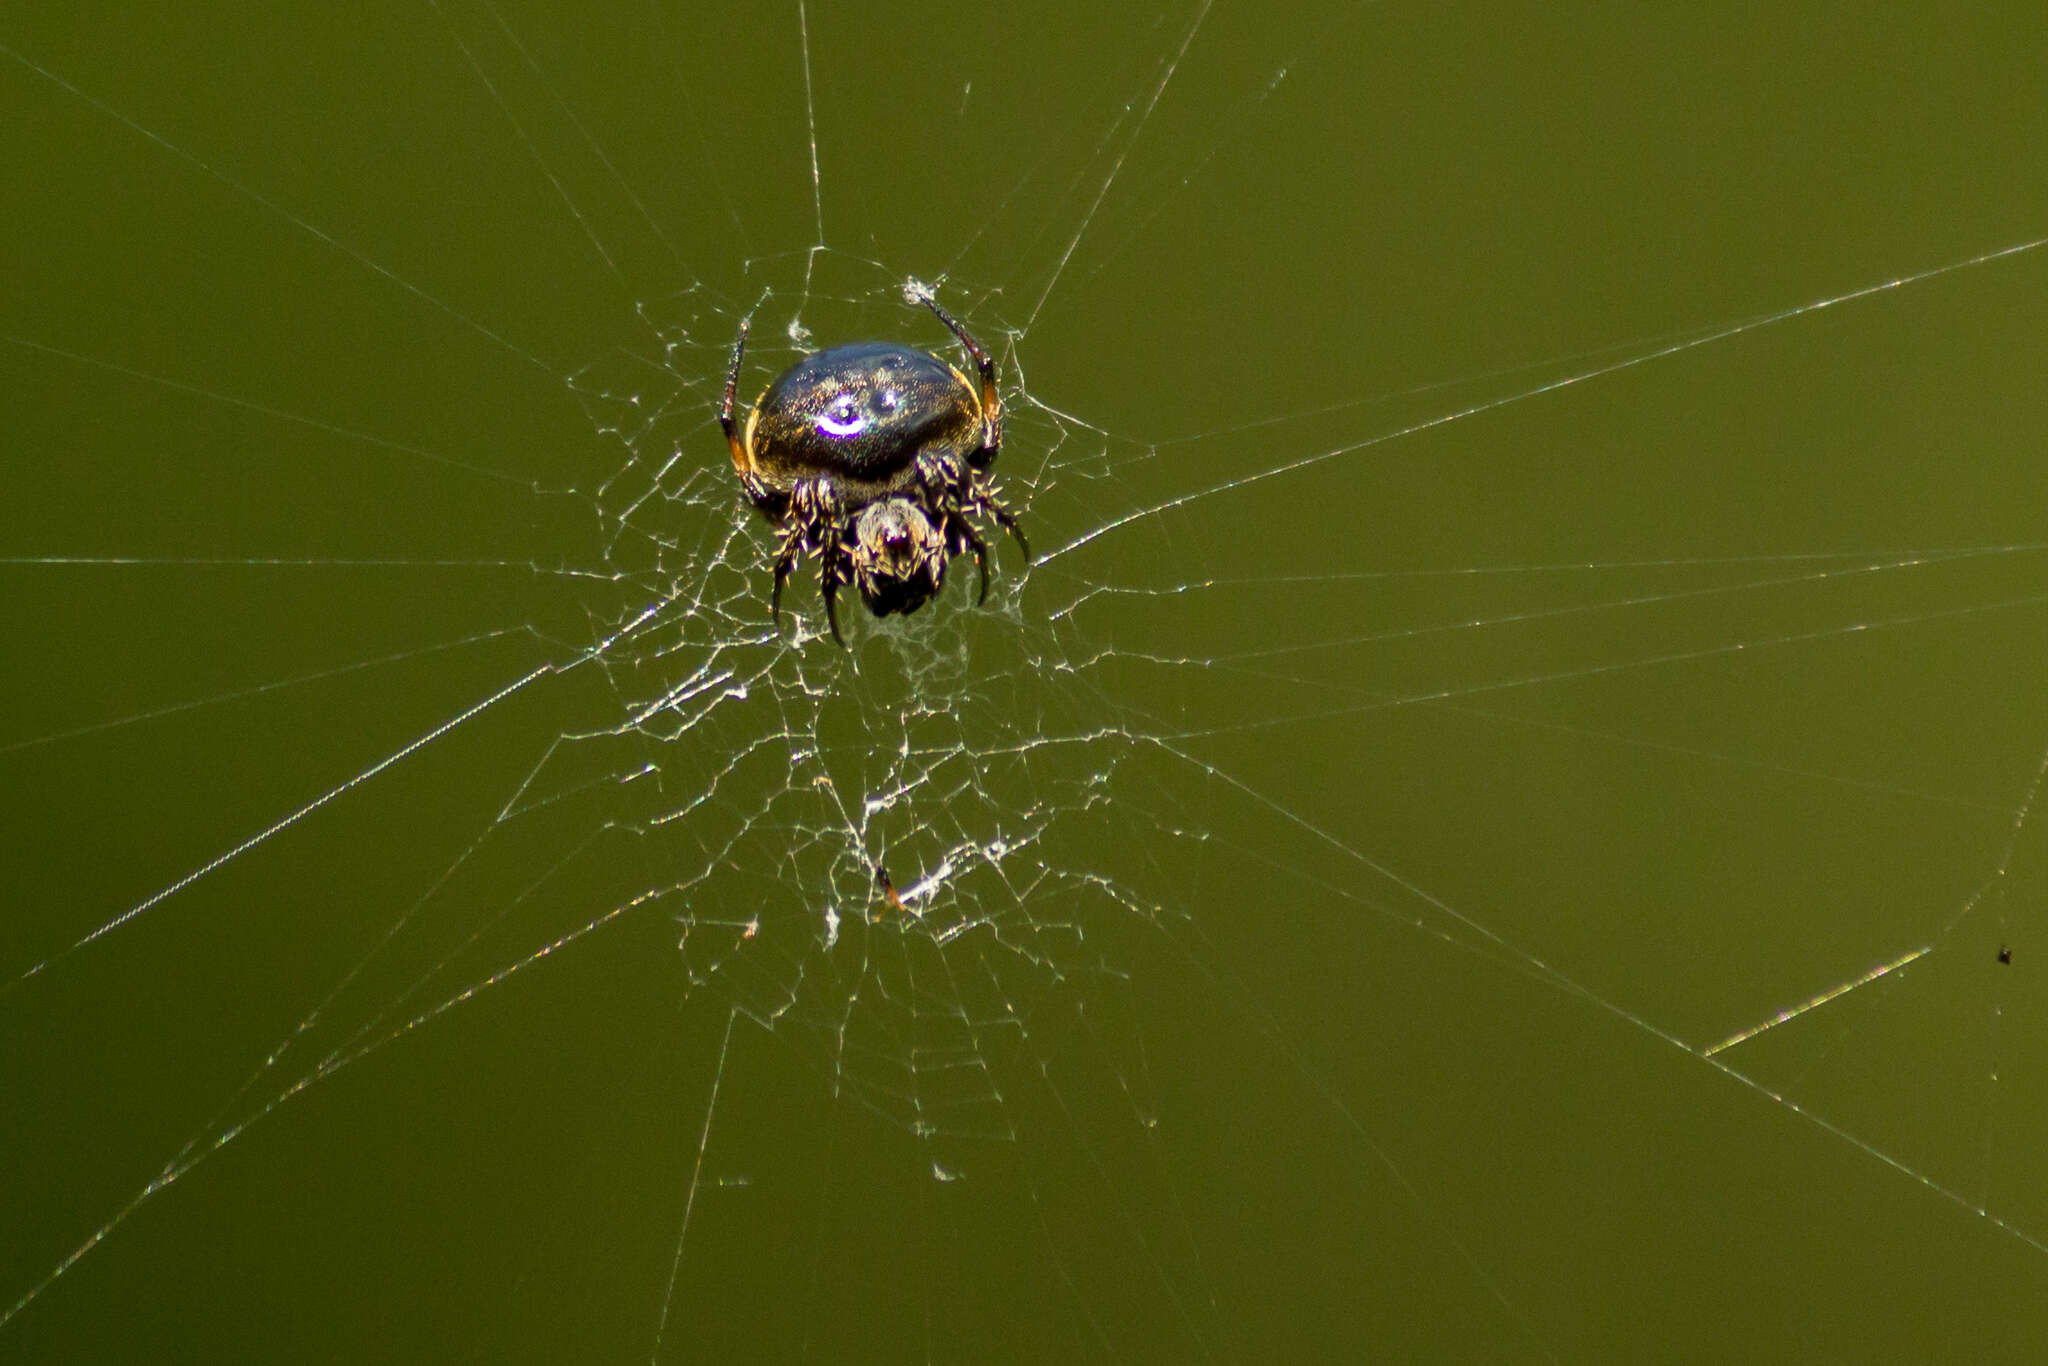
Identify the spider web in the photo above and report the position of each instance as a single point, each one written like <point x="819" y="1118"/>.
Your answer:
<point x="934" y="755"/>
<point x="1307" y="810"/>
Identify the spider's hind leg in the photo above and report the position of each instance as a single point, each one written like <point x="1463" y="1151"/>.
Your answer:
<point x="991" y="398"/>
<point x="734" y="437"/>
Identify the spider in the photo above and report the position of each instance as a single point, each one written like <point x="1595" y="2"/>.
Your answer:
<point x="873" y="457"/>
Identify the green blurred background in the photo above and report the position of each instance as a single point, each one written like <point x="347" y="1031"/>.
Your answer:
<point x="1488" y="647"/>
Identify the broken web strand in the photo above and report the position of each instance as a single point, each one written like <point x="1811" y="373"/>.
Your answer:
<point x="683" y="694"/>
<point x="1522" y="959"/>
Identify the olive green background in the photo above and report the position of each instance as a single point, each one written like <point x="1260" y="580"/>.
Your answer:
<point x="1450" y="786"/>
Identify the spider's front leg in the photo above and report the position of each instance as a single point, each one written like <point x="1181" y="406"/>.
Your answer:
<point x="785" y="561"/>
<point x="835" y="567"/>
<point x="983" y="498"/>
<point x="818" y="519"/>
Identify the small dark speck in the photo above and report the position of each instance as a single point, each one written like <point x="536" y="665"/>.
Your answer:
<point x="2004" y="954"/>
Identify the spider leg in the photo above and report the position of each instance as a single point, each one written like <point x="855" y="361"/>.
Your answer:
<point x="985" y="498"/>
<point x="783" y="564"/>
<point x="991" y="399"/>
<point x="785" y="561"/>
<point x="939" y="476"/>
<point x="834" y="566"/>
<point x="740" y="462"/>
<point x="980" y="549"/>
<point x="829" y="584"/>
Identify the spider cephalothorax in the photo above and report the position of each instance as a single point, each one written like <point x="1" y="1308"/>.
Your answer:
<point x="873" y="457"/>
<point x="899" y="557"/>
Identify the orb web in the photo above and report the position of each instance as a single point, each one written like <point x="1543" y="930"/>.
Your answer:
<point x="1296" y="729"/>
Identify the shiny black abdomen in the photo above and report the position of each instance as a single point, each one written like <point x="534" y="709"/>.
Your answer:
<point x="862" y="412"/>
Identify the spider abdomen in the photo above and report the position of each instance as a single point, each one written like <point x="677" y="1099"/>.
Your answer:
<point x="862" y="412"/>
